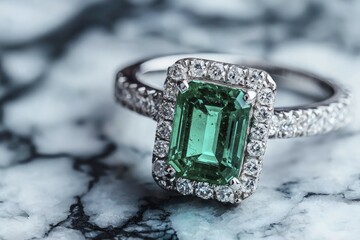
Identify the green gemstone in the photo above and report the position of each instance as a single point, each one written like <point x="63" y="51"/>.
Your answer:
<point x="209" y="133"/>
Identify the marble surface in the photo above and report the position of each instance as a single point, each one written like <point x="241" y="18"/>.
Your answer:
<point x="74" y="165"/>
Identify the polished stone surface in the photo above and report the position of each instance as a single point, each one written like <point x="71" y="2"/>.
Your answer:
<point x="74" y="165"/>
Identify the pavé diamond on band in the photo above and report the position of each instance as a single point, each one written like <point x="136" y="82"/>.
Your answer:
<point x="215" y="114"/>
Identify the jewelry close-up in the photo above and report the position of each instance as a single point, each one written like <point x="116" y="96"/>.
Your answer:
<point x="215" y="114"/>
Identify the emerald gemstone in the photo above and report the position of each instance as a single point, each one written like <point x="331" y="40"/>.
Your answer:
<point x="209" y="133"/>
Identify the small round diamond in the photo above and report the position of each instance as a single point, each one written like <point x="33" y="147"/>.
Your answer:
<point x="259" y="131"/>
<point x="311" y="123"/>
<point x="165" y="184"/>
<point x="262" y="114"/>
<point x="300" y="123"/>
<point x="139" y="99"/>
<point x="256" y="148"/>
<point x="236" y="75"/>
<point x="197" y="68"/>
<point x="341" y="110"/>
<point x="216" y="71"/>
<point x="252" y="167"/>
<point x="266" y="97"/>
<point x="164" y="129"/>
<point x="148" y="103"/>
<point x="171" y="90"/>
<point x="287" y="126"/>
<point x="177" y="71"/>
<point x="167" y="110"/>
<point x="224" y="194"/>
<point x="184" y="186"/>
<point x="127" y="95"/>
<point x="204" y="190"/>
<point x="161" y="148"/>
<point x="248" y="184"/>
<point x="331" y="117"/>
<point x="159" y="168"/>
<point x="254" y="79"/>
<point x="274" y="125"/>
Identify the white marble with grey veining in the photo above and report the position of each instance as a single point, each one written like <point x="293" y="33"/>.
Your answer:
<point x="74" y="165"/>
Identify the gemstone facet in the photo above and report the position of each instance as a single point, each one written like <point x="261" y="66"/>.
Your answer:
<point x="161" y="148"/>
<point x="204" y="190"/>
<point x="236" y="75"/>
<point x="159" y="168"/>
<point x="256" y="148"/>
<point x="259" y="131"/>
<point x="184" y="186"/>
<point x="209" y="133"/>
<point x="224" y="194"/>
<point x="197" y="68"/>
<point x="252" y="167"/>
<point x="164" y="129"/>
<point x="177" y="72"/>
<point x="216" y="71"/>
<point x="266" y="97"/>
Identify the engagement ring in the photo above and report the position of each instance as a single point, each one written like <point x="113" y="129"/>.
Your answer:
<point x="215" y="114"/>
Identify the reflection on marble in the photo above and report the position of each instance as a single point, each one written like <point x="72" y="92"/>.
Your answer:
<point x="74" y="165"/>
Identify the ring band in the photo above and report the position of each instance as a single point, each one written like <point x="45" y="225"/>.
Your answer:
<point x="201" y="101"/>
<point x="316" y="118"/>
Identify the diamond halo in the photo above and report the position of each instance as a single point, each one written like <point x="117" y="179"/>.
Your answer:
<point x="257" y="136"/>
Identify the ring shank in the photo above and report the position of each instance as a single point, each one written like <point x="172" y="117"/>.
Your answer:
<point x="326" y="112"/>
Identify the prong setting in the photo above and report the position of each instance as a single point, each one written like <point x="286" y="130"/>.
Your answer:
<point x="235" y="184"/>
<point x="170" y="172"/>
<point x="250" y="96"/>
<point x="270" y="83"/>
<point x="183" y="86"/>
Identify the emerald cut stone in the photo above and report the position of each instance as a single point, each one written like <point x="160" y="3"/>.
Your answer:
<point x="209" y="133"/>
